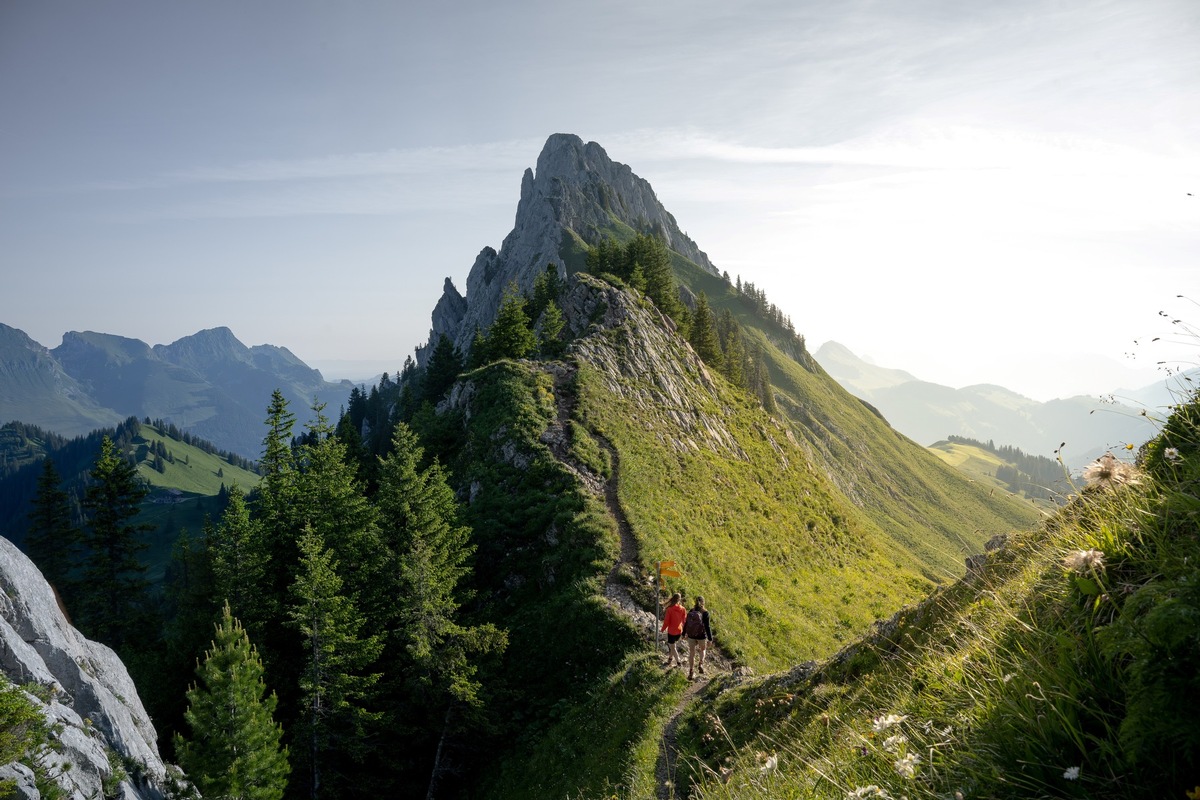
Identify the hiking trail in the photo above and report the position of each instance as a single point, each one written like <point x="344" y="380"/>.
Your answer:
<point x="616" y="591"/>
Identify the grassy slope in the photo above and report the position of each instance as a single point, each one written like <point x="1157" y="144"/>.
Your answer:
<point x="923" y="505"/>
<point x="198" y="483"/>
<point x="1006" y="683"/>
<point x="980" y="466"/>
<point x="787" y="540"/>
<point x="789" y="565"/>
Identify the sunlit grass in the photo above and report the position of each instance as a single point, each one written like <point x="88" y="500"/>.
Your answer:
<point x="1054" y="672"/>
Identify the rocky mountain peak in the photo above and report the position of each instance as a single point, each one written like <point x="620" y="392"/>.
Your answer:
<point x="576" y="194"/>
<point x="203" y="349"/>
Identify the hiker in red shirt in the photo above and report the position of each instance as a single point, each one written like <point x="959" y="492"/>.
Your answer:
<point x="673" y="624"/>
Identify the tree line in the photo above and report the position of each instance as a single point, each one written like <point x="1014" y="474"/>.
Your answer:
<point x="1040" y="478"/>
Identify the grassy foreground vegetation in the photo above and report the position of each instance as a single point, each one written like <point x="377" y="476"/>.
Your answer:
<point x="1065" y="667"/>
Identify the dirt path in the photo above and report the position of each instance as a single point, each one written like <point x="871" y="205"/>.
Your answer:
<point x="615" y="589"/>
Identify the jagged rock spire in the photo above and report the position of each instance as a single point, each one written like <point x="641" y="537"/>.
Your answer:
<point x="574" y="195"/>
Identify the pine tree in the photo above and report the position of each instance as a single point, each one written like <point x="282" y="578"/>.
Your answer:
<point x="655" y="261"/>
<point x="733" y="349"/>
<point x="114" y="584"/>
<point x="330" y="501"/>
<point x="52" y="541"/>
<point x="703" y="337"/>
<point x="550" y="328"/>
<point x="511" y="335"/>
<point x="478" y="355"/>
<point x="236" y="750"/>
<point x="547" y="287"/>
<point x="335" y="681"/>
<point x="431" y="552"/>
<point x="238" y="552"/>
<point x="443" y="369"/>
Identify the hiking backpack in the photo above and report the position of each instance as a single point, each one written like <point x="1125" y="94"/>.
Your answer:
<point x="693" y="626"/>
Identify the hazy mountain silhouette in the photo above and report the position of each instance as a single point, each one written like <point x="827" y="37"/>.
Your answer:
<point x="928" y="412"/>
<point x="208" y="383"/>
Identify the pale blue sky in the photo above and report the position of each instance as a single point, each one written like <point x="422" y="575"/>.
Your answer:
<point x="972" y="191"/>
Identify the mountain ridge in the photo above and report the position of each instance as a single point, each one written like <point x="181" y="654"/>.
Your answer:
<point x="208" y="383"/>
<point x="929" y="412"/>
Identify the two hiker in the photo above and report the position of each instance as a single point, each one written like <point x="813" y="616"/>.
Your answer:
<point x="694" y="624"/>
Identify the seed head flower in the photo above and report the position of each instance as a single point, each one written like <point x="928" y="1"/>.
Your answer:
<point x="1072" y="773"/>
<point x="1084" y="561"/>
<point x="1108" y="473"/>
<point x="881" y="724"/>
<point x="864" y="792"/>
<point x="906" y="766"/>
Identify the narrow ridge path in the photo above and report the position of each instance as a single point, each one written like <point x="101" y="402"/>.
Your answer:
<point x="557" y="438"/>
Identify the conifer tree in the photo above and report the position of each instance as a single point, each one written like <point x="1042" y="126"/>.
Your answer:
<point x="331" y="502"/>
<point x="547" y="287"/>
<point x="236" y="751"/>
<point x="655" y="262"/>
<point x="550" y="328"/>
<point x="733" y="350"/>
<point x="478" y="356"/>
<point x="445" y="364"/>
<point x="703" y="336"/>
<point x="510" y="336"/>
<point x="52" y="541"/>
<point x="335" y="681"/>
<point x="114" y="585"/>
<point x="436" y="656"/>
<point x="238" y="553"/>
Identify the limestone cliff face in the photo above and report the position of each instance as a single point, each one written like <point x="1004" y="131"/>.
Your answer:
<point x="91" y="694"/>
<point x="576" y="190"/>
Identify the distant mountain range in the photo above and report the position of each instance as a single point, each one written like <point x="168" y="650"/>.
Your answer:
<point x="929" y="412"/>
<point x="209" y="384"/>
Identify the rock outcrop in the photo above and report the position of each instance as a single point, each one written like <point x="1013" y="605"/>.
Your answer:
<point x="577" y="194"/>
<point x="103" y="728"/>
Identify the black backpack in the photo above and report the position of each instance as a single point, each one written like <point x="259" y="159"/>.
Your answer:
<point x="693" y="626"/>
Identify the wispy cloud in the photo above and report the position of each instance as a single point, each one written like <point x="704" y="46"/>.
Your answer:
<point x="473" y="158"/>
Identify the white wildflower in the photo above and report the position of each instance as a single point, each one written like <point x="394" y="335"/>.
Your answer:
<point x="1107" y="472"/>
<point x="906" y="766"/>
<point x="1085" y="561"/>
<point x="1072" y="773"/>
<point x="881" y="724"/>
<point x="893" y="744"/>
<point x="865" y="791"/>
<point x="1171" y="454"/>
<point x="770" y="764"/>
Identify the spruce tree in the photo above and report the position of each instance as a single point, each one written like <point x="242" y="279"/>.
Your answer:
<point x="335" y="682"/>
<point x="733" y="350"/>
<point x="114" y="586"/>
<point x="443" y="369"/>
<point x="703" y="337"/>
<point x="655" y="261"/>
<point x="550" y="328"/>
<point x="435" y="653"/>
<point x="238" y="552"/>
<point x="52" y="541"/>
<point x="331" y="502"/>
<point x="236" y="751"/>
<point x="511" y="335"/>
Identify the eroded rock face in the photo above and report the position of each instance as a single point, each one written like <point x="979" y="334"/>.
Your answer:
<point x="103" y="724"/>
<point x="576" y="189"/>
